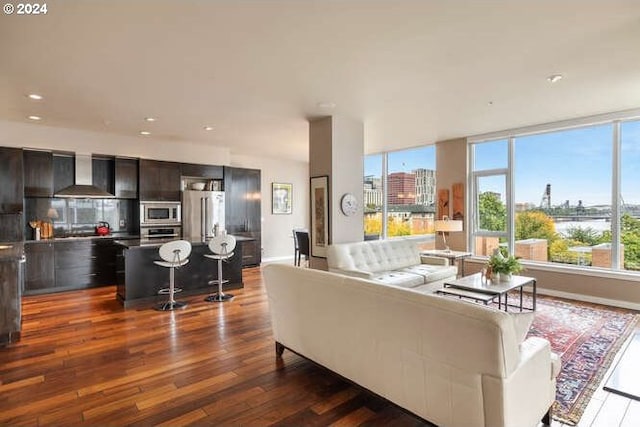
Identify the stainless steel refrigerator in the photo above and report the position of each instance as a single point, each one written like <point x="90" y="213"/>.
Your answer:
<point x="202" y="212"/>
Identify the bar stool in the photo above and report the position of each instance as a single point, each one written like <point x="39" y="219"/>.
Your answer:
<point x="174" y="254"/>
<point x="222" y="249"/>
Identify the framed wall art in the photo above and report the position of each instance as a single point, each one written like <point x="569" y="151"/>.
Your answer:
<point x="281" y="198"/>
<point x="319" y="216"/>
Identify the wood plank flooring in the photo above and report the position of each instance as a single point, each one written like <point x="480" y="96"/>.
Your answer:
<point x="83" y="359"/>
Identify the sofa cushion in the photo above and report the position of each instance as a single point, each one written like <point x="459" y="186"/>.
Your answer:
<point x="431" y="273"/>
<point x="403" y="279"/>
<point x="374" y="256"/>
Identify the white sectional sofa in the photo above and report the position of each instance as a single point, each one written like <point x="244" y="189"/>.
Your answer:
<point x="451" y="362"/>
<point x="393" y="262"/>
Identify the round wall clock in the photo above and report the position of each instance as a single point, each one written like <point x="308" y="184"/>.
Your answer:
<point x="349" y="204"/>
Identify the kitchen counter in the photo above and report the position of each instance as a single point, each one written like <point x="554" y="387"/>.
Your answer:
<point x="11" y="251"/>
<point x="86" y="237"/>
<point x="156" y="243"/>
<point x="139" y="279"/>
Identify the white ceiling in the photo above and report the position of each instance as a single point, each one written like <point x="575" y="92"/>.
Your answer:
<point x="413" y="71"/>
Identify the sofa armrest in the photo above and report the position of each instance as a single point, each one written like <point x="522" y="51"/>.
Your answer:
<point x="354" y="273"/>
<point x="528" y="393"/>
<point x="434" y="260"/>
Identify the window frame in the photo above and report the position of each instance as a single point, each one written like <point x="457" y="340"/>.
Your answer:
<point x="615" y="120"/>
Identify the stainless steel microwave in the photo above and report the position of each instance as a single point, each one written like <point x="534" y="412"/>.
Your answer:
<point x="160" y="213"/>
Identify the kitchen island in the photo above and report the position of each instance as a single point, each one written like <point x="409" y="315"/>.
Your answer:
<point x="139" y="279"/>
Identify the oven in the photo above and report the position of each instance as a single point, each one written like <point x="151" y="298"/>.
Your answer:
<point x="160" y="213"/>
<point x="160" y="232"/>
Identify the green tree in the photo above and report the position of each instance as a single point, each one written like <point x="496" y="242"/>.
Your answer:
<point x="630" y="228"/>
<point x="493" y="213"/>
<point x="587" y="235"/>
<point x="535" y="225"/>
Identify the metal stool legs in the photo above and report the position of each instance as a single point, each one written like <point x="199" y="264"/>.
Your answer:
<point x="219" y="296"/>
<point x="172" y="304"/>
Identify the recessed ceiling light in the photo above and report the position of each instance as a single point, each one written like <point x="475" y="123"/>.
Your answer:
<point x="490" y="103"/>
<point x="145" y="132"/>
<point x="554" y="78"/>
<point x="35" y="118"/>
<point x="207" y="128"/>
<point x="35" y="96"/>
<point x="149" y="119"/>
<point x="326" y="105"/>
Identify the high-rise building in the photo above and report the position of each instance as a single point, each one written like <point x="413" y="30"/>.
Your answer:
<point x="401" y="188"/>
<point x="425" y="186"/>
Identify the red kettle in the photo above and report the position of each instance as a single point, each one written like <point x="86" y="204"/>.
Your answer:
<point x="102" y="229"/>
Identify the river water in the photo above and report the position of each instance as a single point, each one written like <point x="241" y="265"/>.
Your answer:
<point x="598" y="225"/>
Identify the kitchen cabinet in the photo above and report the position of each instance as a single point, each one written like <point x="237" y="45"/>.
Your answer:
<point x="11" y="278"/>
<point x="159" y="180"/>
<point x="69" y="264"/>
<point x="103" y="173"/>
<point x="74" y="264"/>
<point x="64" y="171"/>
<point x="40" y="271"/>
<point x="202" y="171"/>
<point x="38" y="173"/>
<point x="11" y="177"/>
<point x="126" y="178"/>
<point x="243" y="212"/>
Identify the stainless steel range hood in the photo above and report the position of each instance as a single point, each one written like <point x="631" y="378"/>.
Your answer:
<point x="83" y="187"/>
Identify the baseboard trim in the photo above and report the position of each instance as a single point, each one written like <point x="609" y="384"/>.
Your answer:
<point x="591" y="299"/>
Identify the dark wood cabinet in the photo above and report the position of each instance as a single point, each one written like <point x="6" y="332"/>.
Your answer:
<point x="126" y="178"/>
<point x="38" y="173"/>
<point x="74" y="263"/>
<point x="11" y="274"/>
<point x="64" y="171"/>
<point x="40" y="271"/>
<point x="103" y="173"/>
<point x="243" y="201"/>
<point x="251" y="249"/>
<point x="202" y="171"/>
<point x="11" y="171"/>
<point x="159" y="180"/>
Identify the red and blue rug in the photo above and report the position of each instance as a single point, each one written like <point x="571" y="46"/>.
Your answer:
<point x="587" y="337"/>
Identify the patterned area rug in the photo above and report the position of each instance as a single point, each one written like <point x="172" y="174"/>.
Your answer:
<point x="587" y="336"/>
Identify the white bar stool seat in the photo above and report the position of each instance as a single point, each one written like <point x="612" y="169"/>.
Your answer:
<point x="174" y="254"/>
<point x="222" y="249"/>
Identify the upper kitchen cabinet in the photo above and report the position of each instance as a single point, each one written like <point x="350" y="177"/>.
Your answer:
<point x="102" y="173"/>
<point x="202" y="171"/>
<point x="11" y="177"/>
<point x="38" y="173"/>
<point x="64" y="171"/>
<point x="159" y="181"/>
<point x="126" y="185"/>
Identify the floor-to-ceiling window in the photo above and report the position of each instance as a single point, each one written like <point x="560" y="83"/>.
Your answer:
<point x="401" y="186"/>
<point x="566" y="196"/>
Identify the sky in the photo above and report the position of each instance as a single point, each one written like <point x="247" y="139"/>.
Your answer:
<point x="577" y="163"/>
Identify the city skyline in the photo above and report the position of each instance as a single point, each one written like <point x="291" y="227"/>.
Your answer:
<point x="576" y="162"/>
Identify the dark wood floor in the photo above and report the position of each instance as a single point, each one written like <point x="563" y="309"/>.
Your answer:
<point x="83" y="359"/>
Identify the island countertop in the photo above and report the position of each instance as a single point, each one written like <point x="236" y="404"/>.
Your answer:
<point x="155" y="243"/>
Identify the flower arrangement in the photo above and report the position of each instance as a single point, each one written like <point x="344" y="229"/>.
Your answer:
<point x="503" y="265"/>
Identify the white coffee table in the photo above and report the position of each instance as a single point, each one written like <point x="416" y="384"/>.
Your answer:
<point x="475" y="287"/>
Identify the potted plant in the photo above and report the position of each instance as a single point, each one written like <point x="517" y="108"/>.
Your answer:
<point x="503" y="266"/>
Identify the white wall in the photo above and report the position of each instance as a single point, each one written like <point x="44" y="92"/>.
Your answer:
<point x="277" y="236"/>
<point x="277" y="241"/>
